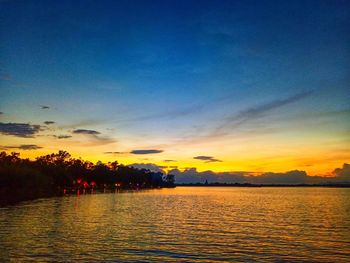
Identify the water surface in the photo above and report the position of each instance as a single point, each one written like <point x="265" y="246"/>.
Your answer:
<point x="185" y="224"/>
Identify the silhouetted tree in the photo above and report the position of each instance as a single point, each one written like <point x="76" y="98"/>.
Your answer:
<point x="57" y="171"/>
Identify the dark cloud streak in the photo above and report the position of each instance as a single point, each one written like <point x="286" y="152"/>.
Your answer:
<point x="95" y="135"/>
<point x="49" y="122"/>
<point x="62" y="136"/>
<point x="88" y="132"/>
<point x="148" y="151"/>
<point x="24" y="147"/>
<point x="24" y="130"/>
<point x="207" y="159"/>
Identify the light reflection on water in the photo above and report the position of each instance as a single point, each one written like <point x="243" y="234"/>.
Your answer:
<point x="186" y="224"/>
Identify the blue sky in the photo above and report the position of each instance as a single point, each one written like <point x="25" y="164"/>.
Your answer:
<point x="167" y="74"/>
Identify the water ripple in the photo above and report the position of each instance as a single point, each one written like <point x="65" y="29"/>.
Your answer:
<point x="182" y="225"/>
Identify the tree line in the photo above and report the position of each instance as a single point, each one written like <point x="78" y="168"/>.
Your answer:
<point x="57" y="172"/>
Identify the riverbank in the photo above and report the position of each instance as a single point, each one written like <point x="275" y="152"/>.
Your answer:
<point x="14" y="196"/>
<point x="340" y="185"/>
<point x="10" y="197"/>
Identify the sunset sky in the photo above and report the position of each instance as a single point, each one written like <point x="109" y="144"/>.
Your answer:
<point x="256" y="86"/>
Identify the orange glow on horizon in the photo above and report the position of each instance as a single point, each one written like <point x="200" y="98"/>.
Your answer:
<point x="314" y="166"/>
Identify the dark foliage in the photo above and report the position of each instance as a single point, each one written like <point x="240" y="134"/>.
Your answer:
<point x="59" y="172"/>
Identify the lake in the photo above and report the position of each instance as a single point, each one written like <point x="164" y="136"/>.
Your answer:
<point x="185" y="224"/>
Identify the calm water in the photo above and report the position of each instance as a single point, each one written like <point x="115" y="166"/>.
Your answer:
<point x="182" y="225"/>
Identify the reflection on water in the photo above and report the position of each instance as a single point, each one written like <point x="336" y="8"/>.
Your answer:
<point x="183" y="224"/>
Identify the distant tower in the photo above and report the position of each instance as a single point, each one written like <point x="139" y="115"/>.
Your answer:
<point x="206" y="182"/>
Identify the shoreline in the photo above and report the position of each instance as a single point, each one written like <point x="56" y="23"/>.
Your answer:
<point x="266" y="185"/>
<point x="10" y="197"/>
<point x="16" y="196"/>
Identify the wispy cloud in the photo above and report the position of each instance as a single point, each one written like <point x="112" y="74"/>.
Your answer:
<point x="183" y="111"/>
<point x="82" y="123"/>
<point x="242" y="116"/>
<point x="167" y="114"/>
<point x="259" y="110"/>
<point x="148" y="151"/>
<point x="207" y="159"/>
<point x="24" y="130"/>
<point x="251" y="114"/>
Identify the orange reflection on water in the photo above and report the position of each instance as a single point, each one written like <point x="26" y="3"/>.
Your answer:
<point x="192" y="224"/>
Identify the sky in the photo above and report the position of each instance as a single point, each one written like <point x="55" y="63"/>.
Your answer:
<point x="220" y="86"/>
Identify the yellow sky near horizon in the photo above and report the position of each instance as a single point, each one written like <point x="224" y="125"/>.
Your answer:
<point x="264" y="154"/>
